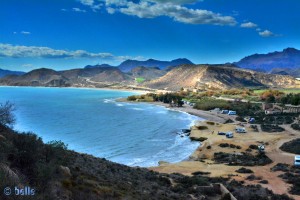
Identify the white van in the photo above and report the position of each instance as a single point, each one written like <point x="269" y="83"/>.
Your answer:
<point x="240" y="130"/>
<point x="231" y="112"/>
<point x="297" y="161"/>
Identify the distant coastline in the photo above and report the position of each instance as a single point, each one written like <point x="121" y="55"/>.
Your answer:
<point x="140" y="91"/>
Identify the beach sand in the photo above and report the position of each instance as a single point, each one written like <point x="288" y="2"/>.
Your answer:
<point x="244" y="140"/>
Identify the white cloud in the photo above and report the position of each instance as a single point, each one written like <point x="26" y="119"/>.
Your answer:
<point x="110" y="10"/>
<point x="87" y="2"/>
<point x="78" y="10"/>
<point x="173" y="9"/>
<point x="17" y="51"/>
<point x="116" y="2"/>
<point x="92" y="4"/>
<point x="179" y="2"/>
<point x="248" y="25"/>
<point x="178" y="13"/>
<point x="25" y="32"/>
<point x="266" y="33"/>
<point x="64" y="10"/>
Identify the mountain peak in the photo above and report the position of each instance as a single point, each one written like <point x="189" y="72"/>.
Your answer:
<point x="289" y="58"/>
<point x="128" y="65"/>
<point x="290" y="50"/>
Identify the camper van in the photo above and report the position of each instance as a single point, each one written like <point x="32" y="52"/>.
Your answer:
<point x="229" y="135"/>
<point x="297" y="161"/>
<point x="224" y="112"/>
<point x="240" y="130"/>
<point x="231" y="112"/>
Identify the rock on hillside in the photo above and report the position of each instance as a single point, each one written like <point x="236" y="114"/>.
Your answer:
<point x="219" y="77"/>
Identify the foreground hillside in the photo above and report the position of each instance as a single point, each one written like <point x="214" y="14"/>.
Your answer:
<point x="219" y="77"/>
<point x="56" y="173"/>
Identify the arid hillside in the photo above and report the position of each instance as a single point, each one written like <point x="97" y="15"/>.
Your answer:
<point x="219" y="77"/>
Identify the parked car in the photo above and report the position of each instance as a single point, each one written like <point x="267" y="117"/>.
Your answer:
<point x="261" y="148"/>
<point x="221" y="133"/>
<point x="229" y="134"/>
<point x="231" y="112"/>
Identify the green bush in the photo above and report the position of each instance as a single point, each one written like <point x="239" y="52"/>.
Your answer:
<point x="131" y="98"/>
<point x="200" y="139"/>
<point x="291" y="146"/>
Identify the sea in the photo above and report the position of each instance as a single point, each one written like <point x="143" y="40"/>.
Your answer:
<point x="92" y="121"/>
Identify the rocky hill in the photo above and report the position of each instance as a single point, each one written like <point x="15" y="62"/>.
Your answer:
<point x="187" y="76"/>
<point x="88" y="77"/>
<point x="287" y="71"/>
<point x="128" y="65"/>
<point x="219" y="77"/>
<point x="38" y="77"/>
<point x="287" y="59"/>
<point x="4" y="72"/>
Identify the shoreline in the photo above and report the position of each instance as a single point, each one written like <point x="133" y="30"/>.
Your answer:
<point x="205" y="115"/>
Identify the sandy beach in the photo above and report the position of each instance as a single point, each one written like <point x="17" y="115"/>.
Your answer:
<point x="203" y="158"/>
<point x="207" y="115"/>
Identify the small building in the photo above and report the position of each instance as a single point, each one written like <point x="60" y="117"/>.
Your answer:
<point x="272" y="111"/>
<point x="292" y="109"/>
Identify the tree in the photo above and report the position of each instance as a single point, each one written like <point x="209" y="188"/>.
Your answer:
<point x="7" y="118"/>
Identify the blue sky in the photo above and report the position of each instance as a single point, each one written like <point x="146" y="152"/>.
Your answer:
<point x="64" y="34"/>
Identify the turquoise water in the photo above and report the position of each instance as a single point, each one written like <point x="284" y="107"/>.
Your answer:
<point x="91" y="121"/>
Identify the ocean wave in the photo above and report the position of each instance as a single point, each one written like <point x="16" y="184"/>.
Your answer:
<point x="162" y="112"/>
<point x="108" y="100"/>
<point x="137" y="109"/>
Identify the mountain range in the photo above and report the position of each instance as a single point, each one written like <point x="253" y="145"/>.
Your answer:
<point x="128" y="65"/>
<point x="186" y="76"/>
<point x="277" y="69"/>
<point x="278" y="62"/>
<point x="4" y="72"/>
